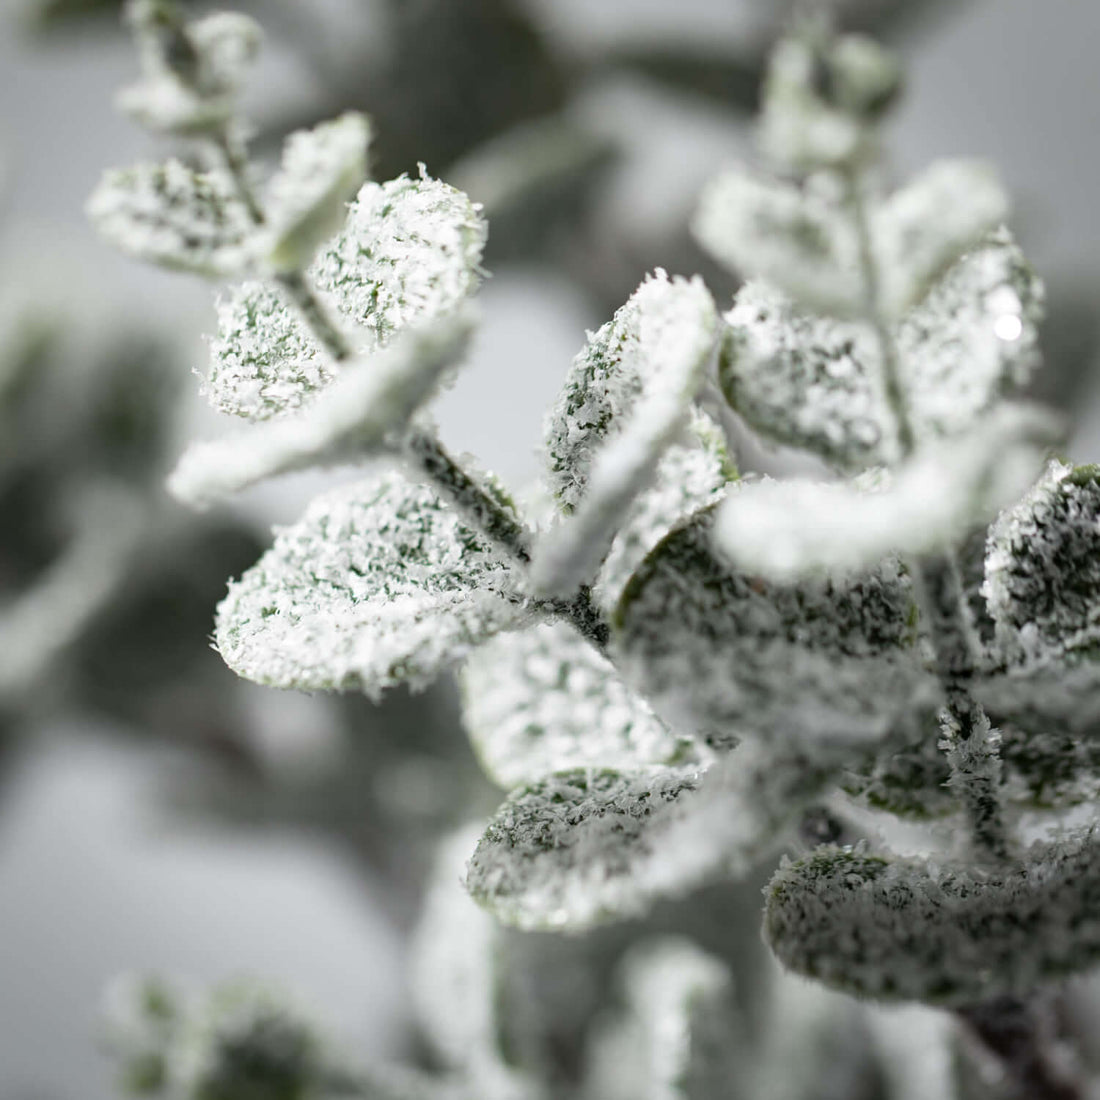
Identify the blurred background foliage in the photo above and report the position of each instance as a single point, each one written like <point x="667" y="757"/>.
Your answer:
<point x="585" y="127"/>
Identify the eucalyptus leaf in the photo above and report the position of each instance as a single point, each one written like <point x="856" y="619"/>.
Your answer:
<point x="724" y="652"/>
<point x="666" y="337"/>
<point x="940" y="933"/>
<point x="306" y="201"/>
<point x="1043" y="566"/>
<point x="379" y="584"/>
<point x="787" y="529"/>
<point x="172" y="216"/>
<point x="582" y="847"/>
<point x="543" y="699"/>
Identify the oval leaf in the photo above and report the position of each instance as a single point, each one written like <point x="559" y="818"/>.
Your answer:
<point x="379" y="584"/>
<point x="728" y="653"/>
<point x="580" y="847"/>
<point x="668" y="330"/>
<point x="1043" y="566"/>
<point x="941" y="934"/>
<point x="787" y="529"/>
<point x="544" y="700"/>
<point x="170" y="215"/>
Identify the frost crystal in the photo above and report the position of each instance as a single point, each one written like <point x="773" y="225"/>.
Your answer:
<point x="800" y="239"/>
<point x="728" y="653"/>
<point x="815" y="382"/>
<point x="677" y="1038"/>
<point x="409" y="251"/>
<point x="1043" y="566"/>
<point x="379" y="584"/>
<point x="359" y="415"/>
<point x="170" y="215"/>
<point x="943" y="934"/>
<point x="544" y="700"/>
<point x="666" y="335"/>
<point x="787" y="529"/>
<point x="581" y="847"/>
<point x="306" y="201"/>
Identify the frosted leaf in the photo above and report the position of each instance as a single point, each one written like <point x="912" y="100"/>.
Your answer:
<point x="690" y="476"/>
<point x="306" y="201"/>
<point x="379" y="584"/>
<point x="801" y="239"/>
<point x="170" y="215"/>
<point x="668" y="330"/>
<point x="544" y="700"/>
<point x="1043" y="566"/>
<point x="973" y="339"/>
<point x="264" y="361"/>
<point x="677" y="1036"/>
<point x="409" y="251"/>
<point x="581" y="847"/>
<point x="456" y="960"/>
<point x="815" y="382"/>
<point x="792" y="528"/>
<point x="922" y="229"/>
<point x="807" y="381"/>
<point x="192" y="71"/>
<point x="721" y="651"/>
<point x="939" y="933"/>
<point x="362" y="413"/>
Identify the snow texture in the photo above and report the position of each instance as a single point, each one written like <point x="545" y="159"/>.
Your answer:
<point x="816" y="382"/>
<point x="668" y="330"/>
<point x="361" y="414"/>
<point x="939" y="933"/>
<point x="1043" y="566"/>
<point x="544" y="700"/>
<point x="728" y="654"/>
<point x="379" y="584"/>
<point x="784" y="530"/>
<point x="170" y="215"/>
<point x="678" y="1037"/>
<point x="306" y="201"/>
<point x="410" y="250"/>
<point x="264" y="361"/>
<point x="581" y="847"/>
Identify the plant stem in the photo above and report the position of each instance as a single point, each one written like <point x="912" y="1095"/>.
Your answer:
<point x="423" y="448"/>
